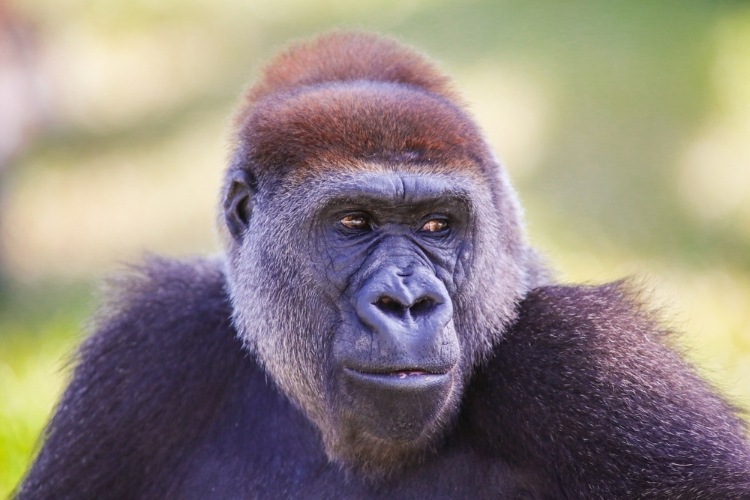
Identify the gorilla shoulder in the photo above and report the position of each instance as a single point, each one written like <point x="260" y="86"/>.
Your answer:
<point x="599" y="370"/>
<point x="146" y="382"/>
<point x="162" y="313"/>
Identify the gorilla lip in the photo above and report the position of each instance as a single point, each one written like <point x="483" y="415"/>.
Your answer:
<point x="398" y="374"/>
<point x="407" y="373"/>
<point x="402" y="373"/>
<point x="398" y="370"/>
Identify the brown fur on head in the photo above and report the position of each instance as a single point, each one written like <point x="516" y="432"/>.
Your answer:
<point x="345" y="97"/>
<point x="345" y="57"/>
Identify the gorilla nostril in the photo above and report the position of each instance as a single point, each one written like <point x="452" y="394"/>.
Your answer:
<point x="422" y="306"/>
<point x="394" y="307"/>
<point x="390" y="305"/>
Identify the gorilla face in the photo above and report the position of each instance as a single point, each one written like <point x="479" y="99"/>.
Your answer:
<point x="391" y="247"/>
<point x="350" y="288"/>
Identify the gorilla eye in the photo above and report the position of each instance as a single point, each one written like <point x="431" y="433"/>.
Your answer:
<point x="356" y="221"/>
<point x="435" y="225"/>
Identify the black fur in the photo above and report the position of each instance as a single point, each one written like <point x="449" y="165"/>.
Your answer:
<point x="604" y="406"/>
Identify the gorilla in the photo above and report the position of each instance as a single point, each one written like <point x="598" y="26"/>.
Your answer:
<point x="377" y="326"/>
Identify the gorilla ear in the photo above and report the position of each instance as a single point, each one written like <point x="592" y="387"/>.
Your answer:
<point x="238" y="202"/>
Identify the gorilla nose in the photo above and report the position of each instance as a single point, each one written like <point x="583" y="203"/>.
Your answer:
<point x="392" y="302"/>
<point x="399" y="308"/>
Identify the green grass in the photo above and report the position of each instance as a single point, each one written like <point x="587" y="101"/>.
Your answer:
<point x="39" y="329"/>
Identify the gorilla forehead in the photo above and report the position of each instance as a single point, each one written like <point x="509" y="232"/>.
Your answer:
<point x="335" y="123"/>
<point x="388" y="186"/>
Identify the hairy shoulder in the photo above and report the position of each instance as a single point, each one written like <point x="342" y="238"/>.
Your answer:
<point x="596" y="308"/>
<point x="588" y="386"/>
<point x="161" y="321"/>
<point x="147" y="381"/>
<point x="609" y="321"/>
<point x="161" y="303"/>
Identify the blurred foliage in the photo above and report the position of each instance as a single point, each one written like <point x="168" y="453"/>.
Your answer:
<point x="623" y="124"/>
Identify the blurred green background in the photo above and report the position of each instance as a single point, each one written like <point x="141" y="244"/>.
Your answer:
<point x="625" y="126"/>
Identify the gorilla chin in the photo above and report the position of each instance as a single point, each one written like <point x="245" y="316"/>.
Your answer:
<point x="398" y="406"/>
<point x="387" y="419"/>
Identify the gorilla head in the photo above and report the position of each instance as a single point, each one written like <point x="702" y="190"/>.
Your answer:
<point x="375" y="250"/>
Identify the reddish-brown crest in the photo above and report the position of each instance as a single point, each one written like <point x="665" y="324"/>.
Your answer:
<point x="354" y="96"/>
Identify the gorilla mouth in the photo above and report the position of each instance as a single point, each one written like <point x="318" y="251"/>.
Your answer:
<point x="402" y="378"/>
<point x="397" y="372"/>
<point x="395" y="404"/>
<point x="407" y="373"/>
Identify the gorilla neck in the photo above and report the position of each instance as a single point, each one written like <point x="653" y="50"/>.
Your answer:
<point x="377" y="459"/>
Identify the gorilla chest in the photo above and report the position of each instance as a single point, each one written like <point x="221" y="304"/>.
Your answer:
<point x="288" y="461"/>
<point x="260" y="446"/>
<point x="457" y="474"/>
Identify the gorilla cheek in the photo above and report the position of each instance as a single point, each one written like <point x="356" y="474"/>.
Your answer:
<point x="289" y="327"/>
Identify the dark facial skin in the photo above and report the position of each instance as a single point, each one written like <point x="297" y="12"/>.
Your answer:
<point x="389" y="249"/>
